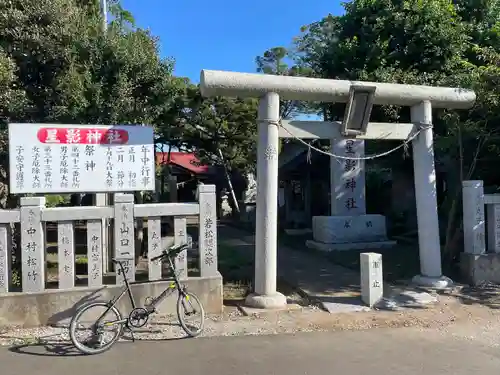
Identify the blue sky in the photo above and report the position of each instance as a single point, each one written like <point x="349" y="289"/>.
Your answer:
<point x="224" y="34"/>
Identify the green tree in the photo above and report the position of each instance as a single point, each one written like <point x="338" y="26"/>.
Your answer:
<point x="279" y="61"/>
<point x="207" y="125"/>
<point x="221" y="131"/>
<point x="60" y="66"/>
<point x="453" y="43"/>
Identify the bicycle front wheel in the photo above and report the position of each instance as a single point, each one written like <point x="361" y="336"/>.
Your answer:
<point x="109" y="327"/>
<point x="190" y="313"/>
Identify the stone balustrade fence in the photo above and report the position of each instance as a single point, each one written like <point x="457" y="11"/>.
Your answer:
<point x="33" y="215"/>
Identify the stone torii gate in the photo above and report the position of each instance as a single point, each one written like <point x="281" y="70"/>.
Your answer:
<point x="269" y="89"/>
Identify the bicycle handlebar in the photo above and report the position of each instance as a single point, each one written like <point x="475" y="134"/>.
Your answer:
<point x="172" y="252"/>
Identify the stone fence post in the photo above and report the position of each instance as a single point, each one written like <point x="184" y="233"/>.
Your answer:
<point x="493" y="223"/>
<point x="207" y="242"/>
<point x="473" y="216"/>
<point x="5" y="257"/>
<point x="124" y="238"/>
<point x="32" y="244"/>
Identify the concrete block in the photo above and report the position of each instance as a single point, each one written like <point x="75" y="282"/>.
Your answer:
<point x="327" y="247"/>
<point x="372" y="283"/>
<point x="57" y="307"/>
<point x="477" y="269"/>
<point x="349" y="229"/>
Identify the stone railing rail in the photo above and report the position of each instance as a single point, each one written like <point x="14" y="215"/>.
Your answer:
<point x="33" y="214"/>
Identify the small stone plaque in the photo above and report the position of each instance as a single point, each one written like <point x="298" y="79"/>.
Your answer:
<point x="372" y="283"/>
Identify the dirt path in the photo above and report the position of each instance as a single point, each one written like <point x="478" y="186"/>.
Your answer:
<point x="448" y="312"/>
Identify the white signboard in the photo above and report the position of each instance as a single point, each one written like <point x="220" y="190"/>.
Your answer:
<point x="46" y="158"/>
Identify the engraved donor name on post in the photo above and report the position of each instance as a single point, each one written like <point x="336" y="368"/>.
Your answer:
<point x="209" y="239"/>
<point x="32" y="261"/>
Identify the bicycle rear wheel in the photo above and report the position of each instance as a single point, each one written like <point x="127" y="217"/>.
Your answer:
<point x="190" y="313"/>
<point x="94" y="343"/>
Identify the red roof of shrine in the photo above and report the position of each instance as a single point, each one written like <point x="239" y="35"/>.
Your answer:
<point x="183" y="159"/>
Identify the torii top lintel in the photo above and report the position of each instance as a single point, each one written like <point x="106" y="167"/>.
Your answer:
<point x="232" y="84"/>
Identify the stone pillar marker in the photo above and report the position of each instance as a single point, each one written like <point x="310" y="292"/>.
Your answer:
<point x="66" y="254"/>
<point x="124" y="235"/>
<point x="493" y="215"/>
<point x="348" y="227"/>
<point x="102" y="199"/>
<point x="154" y="247"/>
<point x="372" y="283"/>
<point x="180" y="238"/>
<point x="473" y="213"/>
<point x="95" y="252"/>
<point x="32" y="244"/>
<point x="207" y="242"/>
<point x="5" y="257"/>
<point x="347" y="178"/>
<point x="266" y="242"/>
<point x="425" y="194"/>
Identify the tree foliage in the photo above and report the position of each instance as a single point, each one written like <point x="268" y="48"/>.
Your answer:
<point x="57" y="64"/>
<point x="432" y="42"/>
<point x="278" y="61"/>
<point x="209" y="126"/>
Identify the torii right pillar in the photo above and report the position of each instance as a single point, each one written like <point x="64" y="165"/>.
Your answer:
<point x="425" y="194"/>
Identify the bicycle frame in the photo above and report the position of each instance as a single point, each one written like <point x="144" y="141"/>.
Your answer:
<point x="174" y="285"/>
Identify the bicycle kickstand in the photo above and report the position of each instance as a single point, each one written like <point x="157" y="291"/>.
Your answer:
<point x="129" y="329"/>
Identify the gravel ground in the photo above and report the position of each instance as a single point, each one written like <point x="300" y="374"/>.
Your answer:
<point x="448" y="312"/>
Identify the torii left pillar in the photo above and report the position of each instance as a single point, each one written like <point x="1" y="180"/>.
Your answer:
<point x="266" y="231"/>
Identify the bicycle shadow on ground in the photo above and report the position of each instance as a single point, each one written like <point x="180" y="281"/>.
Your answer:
<point x="48" y="348"/>
<point x="61" y="318"/>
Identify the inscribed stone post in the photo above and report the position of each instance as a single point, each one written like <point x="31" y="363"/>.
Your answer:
<point x="347" y="178"/>
<point x="180" y="238"/>
<point x="5" y="257"/>
<point x="493" y="222"/>
<point x="473" y="213"/>
<point x="32" y="244"/>
<point x="208" y="230"/>
<point x="95" y="252"/>
<point x="124" y="235"/>
<point x="154" y="247"/>
<point x="66" y="254"/>
<point x="372" y="288"/>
